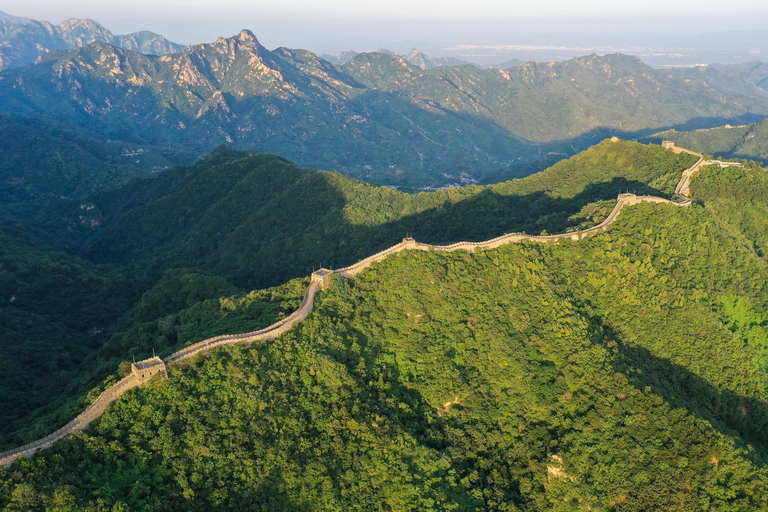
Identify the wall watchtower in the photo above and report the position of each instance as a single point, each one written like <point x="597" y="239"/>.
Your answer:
<point x="148" y="368"/>
<point x="322" y="277"/>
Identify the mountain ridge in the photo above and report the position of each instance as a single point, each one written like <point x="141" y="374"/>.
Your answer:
<point x="238" y="204"/>
<point x="22" y="44"/>
<point x="377" y="117"/>
<point x="745" y="141"/>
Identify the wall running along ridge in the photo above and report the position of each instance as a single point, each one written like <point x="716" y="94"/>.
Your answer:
<point x="321" y="280"/>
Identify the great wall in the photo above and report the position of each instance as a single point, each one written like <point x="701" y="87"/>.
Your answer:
<point x="143" y="371"/>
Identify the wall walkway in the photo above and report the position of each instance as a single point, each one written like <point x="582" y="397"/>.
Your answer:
<point x="321" y="280"/>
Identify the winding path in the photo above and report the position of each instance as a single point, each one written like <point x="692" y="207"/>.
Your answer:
<point x="144" y="370"/>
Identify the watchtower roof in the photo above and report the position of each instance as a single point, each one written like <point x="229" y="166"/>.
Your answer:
<point x="148" y="363"/>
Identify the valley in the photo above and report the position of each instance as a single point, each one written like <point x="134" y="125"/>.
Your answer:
<point x="241" y="278"/>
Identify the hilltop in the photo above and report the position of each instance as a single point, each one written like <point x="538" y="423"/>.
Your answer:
<point x="619" y="372"/>
<point x="23" y="41"/>
<point x="259" y="219"/>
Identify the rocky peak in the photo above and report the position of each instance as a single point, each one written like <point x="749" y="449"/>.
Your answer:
<point x="233" y="46"/>
<point x="87" y="27"/>
<point x="419" y="59"/>
<point x="246" y="36"/>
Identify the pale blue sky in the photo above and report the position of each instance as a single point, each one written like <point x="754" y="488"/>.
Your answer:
<point x="338" y="24"/>
<point x="450" y="9"/>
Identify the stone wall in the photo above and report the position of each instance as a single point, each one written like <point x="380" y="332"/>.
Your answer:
<point x="81" y="422"/>
<point x="320" y="280"/>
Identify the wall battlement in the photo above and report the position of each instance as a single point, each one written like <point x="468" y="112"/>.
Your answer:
<point x="321" y="280"/>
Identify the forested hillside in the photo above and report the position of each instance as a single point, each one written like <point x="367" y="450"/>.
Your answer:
<point x="740" y="199"/>
<point x="746" y="141"/>
<point x="260" y="220"/>
<point x="68" y="324"/>
<point x="55" y="313"/>
<point x="617" y="373"/>
<point x="748" y="78"/>
<point x="42" y="158"/>
<point x="235" y="222"/>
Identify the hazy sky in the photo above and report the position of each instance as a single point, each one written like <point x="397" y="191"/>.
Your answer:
<point x="444" y="9"/>
<point x="340" y="24"/>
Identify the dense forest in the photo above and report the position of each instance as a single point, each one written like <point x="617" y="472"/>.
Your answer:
<point x="42" y="158"/>
<point x="83" y="318"/>
<point x="198" y="233"/>
<point x="259" y="220"/>
<point x="615" y="373"/>
<point x="743" y="141"/>
<point x="739" y="196"/>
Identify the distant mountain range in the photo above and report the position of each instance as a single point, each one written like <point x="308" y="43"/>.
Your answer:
<point x="749" y="78"/>
<point x="23" y="40"/>
<point x="414" y="57"/>
<point x="377" y="117"/>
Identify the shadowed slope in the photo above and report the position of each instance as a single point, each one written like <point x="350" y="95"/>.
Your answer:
<point x="261" y="220"/>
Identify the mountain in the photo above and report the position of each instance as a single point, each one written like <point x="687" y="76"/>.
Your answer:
<point x="260" y="220"/>
<point x="415" y="57"/>
<point x="753" y="72"/>
<point x="745" y="141"/>
<point x="377" y="117"/>
<point x="420" y="60"/>
<point x="237" y="92"/>
<point x="339" y="59"/>
<point x="749" y="79"/>
<point x="625" y="371"/>
<point x="23" y="41"/>
<point x="513" y="63"/>
<point x="15" y="19"/>
<point x="545" y="102"/>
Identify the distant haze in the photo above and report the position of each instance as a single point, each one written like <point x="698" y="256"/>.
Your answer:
<point x="486" y="32"/>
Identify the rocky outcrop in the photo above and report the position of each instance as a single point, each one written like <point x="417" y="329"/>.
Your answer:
<point x="23" y="43"/>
